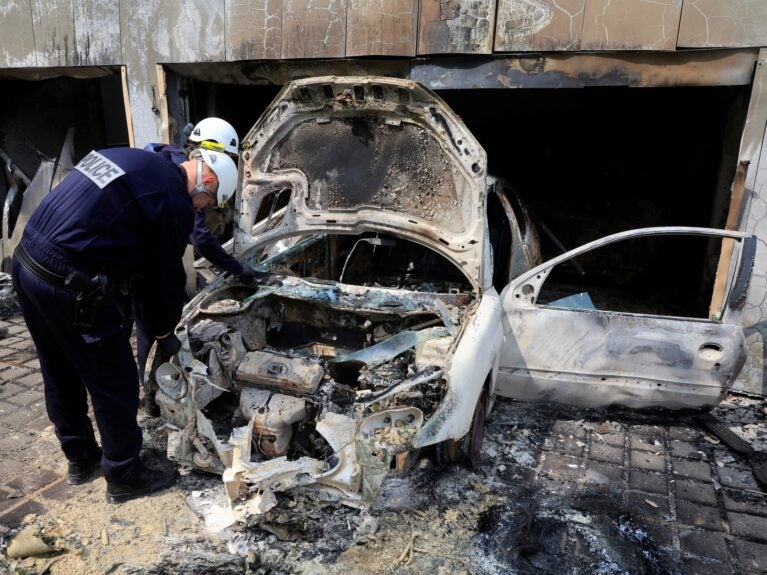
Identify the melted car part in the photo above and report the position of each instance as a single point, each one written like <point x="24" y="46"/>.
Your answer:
<point x="296" y="374"/>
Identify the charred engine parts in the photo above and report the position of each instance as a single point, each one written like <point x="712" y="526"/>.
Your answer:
<point x="273" y="416"/>
<point x="295" y="374"/>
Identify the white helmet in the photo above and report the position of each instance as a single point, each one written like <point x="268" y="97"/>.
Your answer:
<point x="226" y="172"/>
<point x="216" y="130"/>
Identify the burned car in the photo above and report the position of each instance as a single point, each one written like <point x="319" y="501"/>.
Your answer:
<point x="397" y="317"/>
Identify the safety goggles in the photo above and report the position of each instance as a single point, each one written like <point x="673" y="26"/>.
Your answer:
<point x="216" y="147"/>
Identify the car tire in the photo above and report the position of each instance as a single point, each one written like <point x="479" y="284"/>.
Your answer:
<point x="466" y="451"/>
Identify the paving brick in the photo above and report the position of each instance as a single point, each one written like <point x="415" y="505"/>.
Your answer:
<point x="651" y="482"/>
<point x="606" y="453"/>
<point x="22" y="345"/>
<point x="32" y="364"/>
<point x="17" y="357"/>
<point x="60" y="490"/>
<point x="19" y="417"/>
<point x="16" y="329"/>
<point x="649" y="461"/>
<point x="9" y="341"/>
<point x="33" y="480"/>
<point x="692" y="566"/>
<point x="10" y="468"/>
<point x="8" y="500"/>
<point x="569" y="428"/>
<point x="13" y="517"/>
<point x="647" y="431"/>
<point x="681" y="448"/>
<point x="568" y="445"/>
<point x="648" y="505"/>
<point x="751" y="555"/>
<point x="700" y="543"/>
<point x="684" y="433"/>
<point x="745" y="502"/>
<point x="614" y="439"/>
<point x="747" y="525"/>
<point x="645" y="444"/>
<point x="32" y="380"/>
<point x="695" y="491"/>
<point x="8" y="443"/>
<point x="598" y="472"/>
<point x="737" y="477"/>
<point x="698" y="515"/>
<point x="700" y="470"/>
<point x="659" y="533"/>
<point x="6" y="351"/>
<point x="8" y="390"/>
<point x="26" y="397"/>
<point x="563" y="467"/>
<point x="13" y="373"/>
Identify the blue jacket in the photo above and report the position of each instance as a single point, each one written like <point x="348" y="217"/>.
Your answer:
<point x="130" y="225"/>
<point x="202" y="240"/>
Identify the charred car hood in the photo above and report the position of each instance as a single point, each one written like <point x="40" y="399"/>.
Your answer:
<point x="365" y="154"/>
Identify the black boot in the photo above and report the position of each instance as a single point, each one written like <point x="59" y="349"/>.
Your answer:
<point x="78" y="472"/>
<point x="146" y="481"/>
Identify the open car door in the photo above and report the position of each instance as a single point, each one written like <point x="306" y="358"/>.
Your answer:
<point x="570" y="351"/>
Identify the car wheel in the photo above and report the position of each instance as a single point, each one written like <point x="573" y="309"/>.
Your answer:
<point x="468" y="450"/>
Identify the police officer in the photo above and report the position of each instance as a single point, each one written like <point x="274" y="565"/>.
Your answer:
<point x="114" y="229"/>
<point x="209" y="134"/>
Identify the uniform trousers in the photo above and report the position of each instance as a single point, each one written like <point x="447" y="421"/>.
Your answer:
<point x="73" y="363"/>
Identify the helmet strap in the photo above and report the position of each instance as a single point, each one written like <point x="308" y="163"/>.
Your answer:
<point x="199" y="187"/>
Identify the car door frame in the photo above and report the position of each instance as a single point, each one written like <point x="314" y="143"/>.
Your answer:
<point x="596" y="369"/>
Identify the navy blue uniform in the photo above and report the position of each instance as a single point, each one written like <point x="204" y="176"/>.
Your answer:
<point x="201" y="238"/>
<point x="131" y="227"/>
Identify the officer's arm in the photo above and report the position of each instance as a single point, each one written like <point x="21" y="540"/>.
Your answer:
<point x="210" y="249"/>
<point x="160" y="291"/>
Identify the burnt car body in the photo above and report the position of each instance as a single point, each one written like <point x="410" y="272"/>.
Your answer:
<point x="398" y="318"/>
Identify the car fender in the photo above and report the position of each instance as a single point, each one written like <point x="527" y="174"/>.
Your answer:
<point x="476" y="357"/>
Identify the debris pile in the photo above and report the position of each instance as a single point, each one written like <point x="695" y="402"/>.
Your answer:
<point x="9" y="303"/>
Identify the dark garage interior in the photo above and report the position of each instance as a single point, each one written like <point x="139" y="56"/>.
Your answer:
<point x="36" y="115"/>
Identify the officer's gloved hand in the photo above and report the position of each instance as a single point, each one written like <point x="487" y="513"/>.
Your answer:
<point x="249" y="275"/>
<point x="170" y="344"/>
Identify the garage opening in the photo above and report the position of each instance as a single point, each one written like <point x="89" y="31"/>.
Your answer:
<point x="50" y="119"/>
<point x="37" y="113"/>
<point x="596" y="161"/>
<point x="590" y="162"/>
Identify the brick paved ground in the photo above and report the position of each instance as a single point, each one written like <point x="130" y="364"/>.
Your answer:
<point x="701" y="509"/>
<point x="713" y="517"/>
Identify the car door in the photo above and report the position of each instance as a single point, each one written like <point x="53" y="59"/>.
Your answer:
<point x="568" y="351"/>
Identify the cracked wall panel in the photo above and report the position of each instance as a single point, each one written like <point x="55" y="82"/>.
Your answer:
<point x="253" y="29"/>
<point x="145" y="32"/>
<point x="313" y="28"/>
<point x="381" y="28"/>
<point x="17" y="48"/>
<point x="538" y="25"/>
<point x="197" y="30"/>
<point x="54" y="24"/>
<point x="97" y="32"/>
<point x="713" y="23"/>
<point x="631" y="24"/>
<point x="456" y="27"/>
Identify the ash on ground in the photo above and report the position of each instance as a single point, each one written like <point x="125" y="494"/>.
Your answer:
<point x="543" y="499"/>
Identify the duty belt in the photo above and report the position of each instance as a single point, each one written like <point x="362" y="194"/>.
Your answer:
<point x="74" y="281"/>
